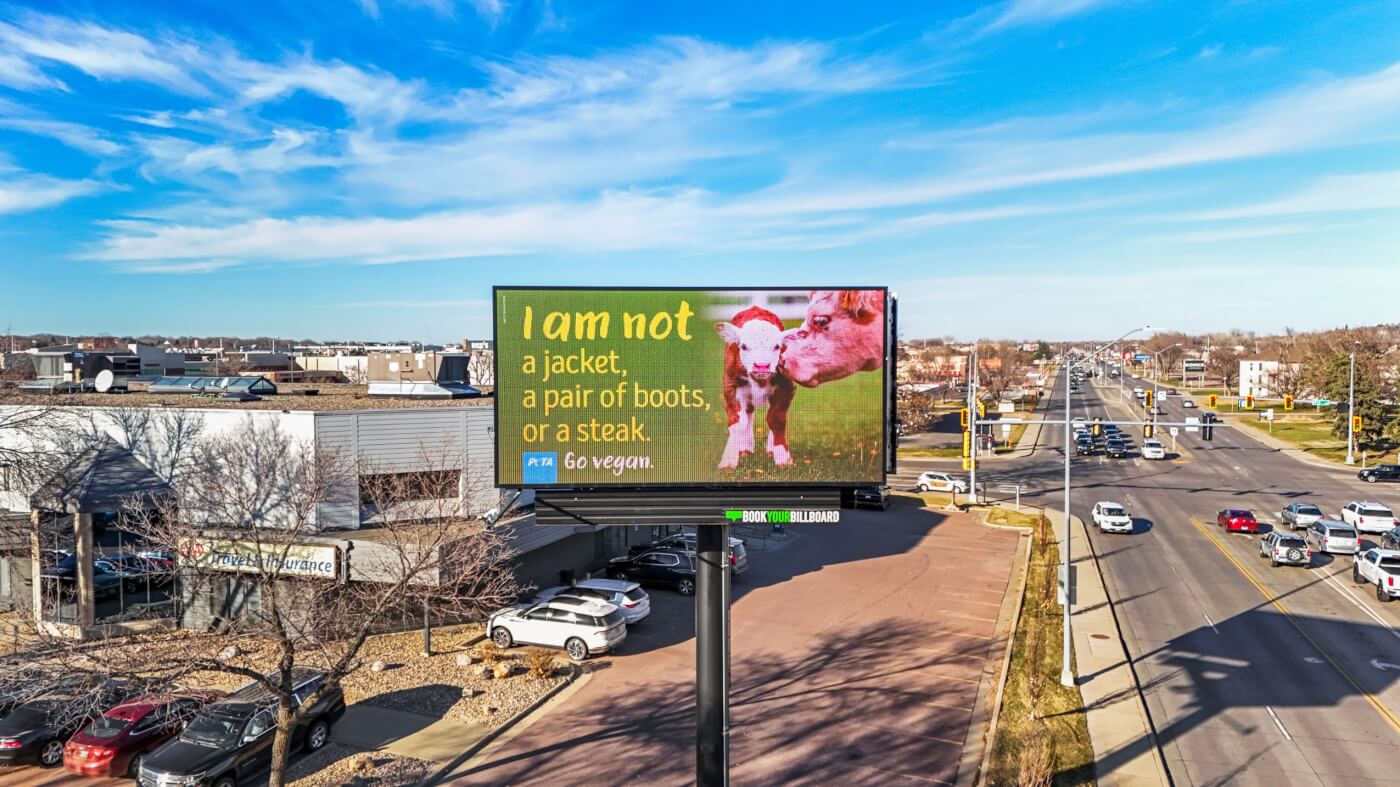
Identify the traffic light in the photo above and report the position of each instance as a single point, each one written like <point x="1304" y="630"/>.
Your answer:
<point x="1249" y="402"/>
<point x="962" y="417"/>
<point x="1356" y="423"/>
<point x="1098" y="427"/>
<point x="1147" y="400"/>
<point x="1213" y="400"/>
<point x="981" y="409"/>
<point x="967" y="444"/>
<point x="967" y="463"/>
<point x="1146" y="431"/>
<point x="1288" y="401"/>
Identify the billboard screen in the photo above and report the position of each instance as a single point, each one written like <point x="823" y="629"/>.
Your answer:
<point x="641" y="387"/>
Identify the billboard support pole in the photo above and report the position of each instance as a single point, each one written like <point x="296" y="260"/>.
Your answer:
<point x="711" y="657"/>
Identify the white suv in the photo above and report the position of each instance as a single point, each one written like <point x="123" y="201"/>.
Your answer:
<point x="1112" y="518"/>
<point x="582" y="628"/>
<point x="1153" y="449"/>
<point x="1368" y="517"/>
<point x="941" y="482"/>
<point x="626" y="596"/>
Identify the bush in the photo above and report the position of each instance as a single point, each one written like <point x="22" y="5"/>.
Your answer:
<point x="489" y="654"/>
<point x="541" y="664"/>
<point x="1035" y="764"/>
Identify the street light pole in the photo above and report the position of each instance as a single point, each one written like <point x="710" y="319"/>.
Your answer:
<point x="1351" y="407"/>
<point x="972" y="497"/>
<point x="1066" y="665"/>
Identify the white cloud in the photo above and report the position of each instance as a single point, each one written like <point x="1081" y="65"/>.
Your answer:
<point x="75" y="135"/>
<point x="1330" y="194"/>
<point x="17" y="72"/>
<point x="101" y="52"/>
<point x="23" y="193"/>
<point x="1017" y="13"/>
<point x="1210" y="52"/>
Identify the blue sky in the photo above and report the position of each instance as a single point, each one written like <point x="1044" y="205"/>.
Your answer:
<point x="1024" y="168"/>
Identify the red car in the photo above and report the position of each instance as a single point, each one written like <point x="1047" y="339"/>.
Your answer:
<point x="116" y="742"/>
<point x="1237" y="520"/>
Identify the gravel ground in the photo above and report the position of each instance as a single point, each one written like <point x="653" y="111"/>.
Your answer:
<point x="337" y="765"/>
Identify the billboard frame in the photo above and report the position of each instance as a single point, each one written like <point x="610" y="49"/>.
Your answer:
<point x="889" y="435"/>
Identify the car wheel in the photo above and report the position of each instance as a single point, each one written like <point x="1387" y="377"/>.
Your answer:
<point x="1356" y="575"/>
<point x="1370" y="479"/>
<point x="1381" y="595"/>
<point x="227" y="781"/>
<point x="686" y="587"/>
<point x="501" y="636"/>
<point x="576" y="650"/>
<point x="1273" y="563"/>
<point x="134" y="769"/>
<point x="621" y="576"/>
<point x="51" y="753"/>
<point x="317" y="736"/>
<point x="923" y="487"/>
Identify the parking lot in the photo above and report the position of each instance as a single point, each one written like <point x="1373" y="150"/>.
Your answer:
<point x="857" y="651"/>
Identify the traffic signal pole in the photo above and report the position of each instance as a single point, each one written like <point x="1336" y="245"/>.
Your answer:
<point x="1351" y="408"/>
<point x="711" y="656"/>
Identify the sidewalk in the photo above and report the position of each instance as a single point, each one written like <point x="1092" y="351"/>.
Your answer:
<point x="406" y="734"/>
<point x="1124" y="750"/>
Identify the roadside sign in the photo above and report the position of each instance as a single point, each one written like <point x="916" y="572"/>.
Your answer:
<point x="1269" y="414"/>
<point x="1005" y="430"/>
<point x="1321" y="402"/>
<point x="1174" y="431"/>
<point x="1191" y="420"/>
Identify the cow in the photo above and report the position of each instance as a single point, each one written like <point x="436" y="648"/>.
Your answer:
<point x="753" y="345"/>
<point x="844" y="333"/>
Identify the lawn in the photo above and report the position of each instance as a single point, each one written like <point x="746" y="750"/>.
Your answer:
<point x="951" y="452"/>
<point x="1310" y="435"/>
<point x="1042" y="736"/>
<point x="1010" y="443"/>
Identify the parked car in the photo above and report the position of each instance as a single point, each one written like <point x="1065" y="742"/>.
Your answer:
<point x="580" y="627"/>
<point x="230" y="740"/>
<point x="873" y="497"/>
<point x="1333" y="538"/>
<point x="626" y="596"/>
<point x="1380" y="473"/>
<point x="1299" y="515"/>
<point x="1378" y="567"/>
<point x="941" y="482"/>
<point x="1368" y="517"/>
<point x="738" y="550"/>
<point x="669" y="567"/>
<point x="1153" y="449"/>
<point x="1281" y="547"/>
<point x="35" y="731"/>
<point x="105" y="582"/>
<point x="116" y="743"/>
<point x="135" y="572"/>
<point x="1112" y="518"/>
<point x="1237" y="520"/>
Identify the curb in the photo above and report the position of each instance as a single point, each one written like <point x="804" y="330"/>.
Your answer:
<point x="471" y="751"/>
<point x="979" y="750"/>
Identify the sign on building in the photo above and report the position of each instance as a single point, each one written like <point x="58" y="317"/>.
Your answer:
<point x="642" y="387"/>
<point x="299" y="560"/>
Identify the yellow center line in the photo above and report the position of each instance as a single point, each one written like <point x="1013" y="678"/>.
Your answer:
<point x="1279" y="605"/>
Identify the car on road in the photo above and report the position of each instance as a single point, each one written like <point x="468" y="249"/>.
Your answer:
<point x="1378" y="567"/>
<point x="580" y="627"/>
<point x="1084" y="448"/>
<point x="1391" y="539"/>
<point x="1299" y="515"/>
<point x="1153" y="449"/>
<point x="116" y="743"/>
<point x="1188" y="404"/>
<point x="1331" y="537"/>
<point x="941" y="482"/>
<point x="738" y="549"/>
<point x="1115" y="448"/>
<point x="1112" y="517"/>
<point x="872" y="496"/>
<point x="35" y="731"/>
<point x="668" y="567"/>
<point x="626" y="596"/>
<point x="1368" y="517"/>
<point x="229" y="742"/>
<point x="1237" y="520"/>
<point x="1380" y="473"/>
<point x="1170" y="392"/>
<point x="1282" y="548"/>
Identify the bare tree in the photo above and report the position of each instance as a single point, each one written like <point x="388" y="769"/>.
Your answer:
<point x="1224" y="363"/>
<point x="481" y="368"/>
<point x="1000" y="365"/>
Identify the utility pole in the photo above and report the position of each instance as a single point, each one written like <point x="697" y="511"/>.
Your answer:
<point x="1351" y="407"/>
<point x="1066" y="668"/>
<point x="972" y="424"/>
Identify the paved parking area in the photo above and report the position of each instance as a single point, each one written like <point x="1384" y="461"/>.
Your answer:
<point x="856" y="655"/>
<point x="33" y="776"/>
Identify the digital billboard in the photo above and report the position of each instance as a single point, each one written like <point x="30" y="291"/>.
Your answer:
<point x="641" y="387"/>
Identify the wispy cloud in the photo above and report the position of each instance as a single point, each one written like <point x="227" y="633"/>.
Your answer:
<point x="24" y="192"/>
<point x="1369" y="191"/>
<point x="75" y="135"/>
<point x="100" y="52"/>
<point x="1210" y="52"/>
<point x="1017" y="13"/>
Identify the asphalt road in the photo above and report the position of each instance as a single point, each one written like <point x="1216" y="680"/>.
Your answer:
<point x="1253" y="675"/>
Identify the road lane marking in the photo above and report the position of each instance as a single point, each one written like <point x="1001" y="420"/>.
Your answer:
<point x="1275" y="717"/>
<point x="1335" y="583"/>
<point x="1211" y="622"/>
<point x="1297" y="624"/>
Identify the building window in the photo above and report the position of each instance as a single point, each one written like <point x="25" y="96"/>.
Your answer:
<point x="379" y="489"/>
<point x="6" y="480"/>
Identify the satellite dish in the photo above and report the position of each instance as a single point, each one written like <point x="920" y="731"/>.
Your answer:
<point x="104" y="381"/>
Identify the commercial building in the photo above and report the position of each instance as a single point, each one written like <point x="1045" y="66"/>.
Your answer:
<point x="1268" y="378"/>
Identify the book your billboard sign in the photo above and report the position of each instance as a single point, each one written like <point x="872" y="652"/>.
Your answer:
<point x="641" y="387"/>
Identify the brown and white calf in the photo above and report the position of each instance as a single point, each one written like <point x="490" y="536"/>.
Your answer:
<point x="752" y="379"/>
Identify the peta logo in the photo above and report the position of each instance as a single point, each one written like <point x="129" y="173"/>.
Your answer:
<point x="540" y="467"/>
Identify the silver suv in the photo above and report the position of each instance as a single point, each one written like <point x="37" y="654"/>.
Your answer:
<point x="1299" y="515"/>
<point x="1332" y="537"/>
<point x="1282" y="548"/>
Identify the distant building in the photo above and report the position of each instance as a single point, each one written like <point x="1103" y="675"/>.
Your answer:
<point x="421" y="375"/>
<point x="72" y="366"/>
<point x="1261" y="377"/>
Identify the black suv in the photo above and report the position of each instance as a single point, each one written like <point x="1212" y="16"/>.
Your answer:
<point x="1380" y="473"/>
<point x="668" y="566"/>
<point x="230" y="741"/>
<point x="872" y="496"/>
<point x="35" y="731"/>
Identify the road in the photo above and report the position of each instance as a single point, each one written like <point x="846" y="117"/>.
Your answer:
<point x="1252" y="675"/>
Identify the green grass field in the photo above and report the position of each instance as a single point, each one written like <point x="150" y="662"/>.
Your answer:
<point x="1310" y="435"/>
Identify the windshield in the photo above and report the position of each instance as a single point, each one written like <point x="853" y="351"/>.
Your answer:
<point x="1342" y="532"/>
<point x="1113" y="511"/>
<point x="1382" y="512"/>
<point x="1291" y="541"/>
<point x="213" y="731"/>
<point x="106" y="728"/>
<point x="635" y="595"/>
<point x="33" y="714"/>
<point x="1310" y="510"/>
